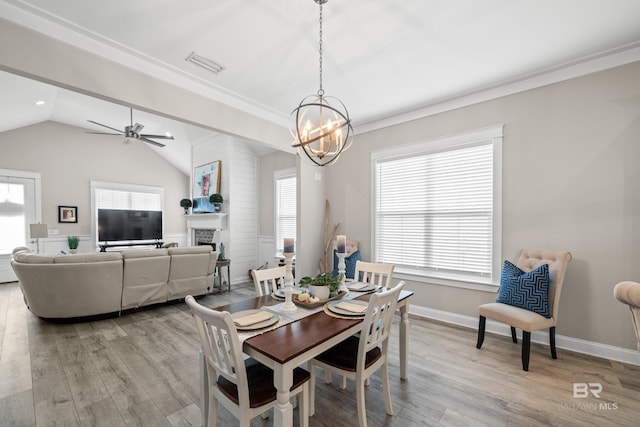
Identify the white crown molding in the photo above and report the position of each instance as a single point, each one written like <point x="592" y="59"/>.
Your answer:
<point x="60" y="29"/>
<point x="55" y="27"/>
<point x="590" y="348"/>
<point x="588" y="65"/>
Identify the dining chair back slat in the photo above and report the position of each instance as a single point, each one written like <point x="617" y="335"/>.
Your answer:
<point x="374" y="273"/>
<point x="376" y="327"/>
<point x="268" y="280"/>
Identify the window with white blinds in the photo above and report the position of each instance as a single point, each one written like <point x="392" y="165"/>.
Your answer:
<point x="435" y="208"/>
<point x="114" y="195"/>
<point x="285" y="215"/>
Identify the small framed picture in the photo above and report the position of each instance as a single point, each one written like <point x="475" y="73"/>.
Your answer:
<point x="68" y="214"/>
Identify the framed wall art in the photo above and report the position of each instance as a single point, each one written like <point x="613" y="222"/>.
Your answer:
<point x="68" y="214"/>
<point x="206" y="181"/>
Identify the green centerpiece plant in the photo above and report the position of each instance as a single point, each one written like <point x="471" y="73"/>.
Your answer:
<point x="323" y="279"/>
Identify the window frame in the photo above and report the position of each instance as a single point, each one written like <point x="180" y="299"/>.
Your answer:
<point x="119" y="186"/>
<point x="494" y="134"/>
<point x="277" y="175"/>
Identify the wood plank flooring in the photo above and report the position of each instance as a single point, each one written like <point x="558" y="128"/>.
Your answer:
<point x="142" y="369"/>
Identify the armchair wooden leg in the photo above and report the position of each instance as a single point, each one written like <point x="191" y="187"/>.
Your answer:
<point x="481" y="326"/>
<point x="514" y="338"/>
<point x="526" y="347"/>
<point x="552" y="342"/>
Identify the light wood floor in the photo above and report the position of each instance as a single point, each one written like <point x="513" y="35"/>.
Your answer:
<point x="141" y="369"/>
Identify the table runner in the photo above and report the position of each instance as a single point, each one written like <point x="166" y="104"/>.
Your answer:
<point x="286" y="318"/>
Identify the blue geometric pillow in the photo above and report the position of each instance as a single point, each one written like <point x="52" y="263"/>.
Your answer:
<point x="528" y="290"/>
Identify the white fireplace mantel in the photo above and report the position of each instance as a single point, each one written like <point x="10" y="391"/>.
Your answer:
<point x="205" y="221"/>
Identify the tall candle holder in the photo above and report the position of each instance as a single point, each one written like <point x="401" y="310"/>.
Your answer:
<point x="288" y="306"/>
<point x="342" y="269"/>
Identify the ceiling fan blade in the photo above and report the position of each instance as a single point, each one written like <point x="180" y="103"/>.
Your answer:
<point x="104" y="133"/>
<point x="142" y="138"/>
<point x="157" y="136"/>
<point x="105" y="126"/>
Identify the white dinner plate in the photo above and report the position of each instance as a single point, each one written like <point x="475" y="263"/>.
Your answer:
<point x="367" y="288"/>
<point x="332" y="308"/>
<point x="294" y="291"/>
<point x="269" y="322"/>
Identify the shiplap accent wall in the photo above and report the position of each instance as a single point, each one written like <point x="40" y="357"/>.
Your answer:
<point x="238" y="186"/>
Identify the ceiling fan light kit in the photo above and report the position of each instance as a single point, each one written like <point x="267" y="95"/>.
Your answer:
<point x="321" y="125"/>
<point x="132" y="132"/>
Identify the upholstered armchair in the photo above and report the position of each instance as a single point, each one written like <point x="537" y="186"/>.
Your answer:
<point x="629" y="293"/>
<point x="527" y="319"/>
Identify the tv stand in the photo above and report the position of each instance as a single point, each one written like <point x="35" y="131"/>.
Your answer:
<point x="104" y="246"/>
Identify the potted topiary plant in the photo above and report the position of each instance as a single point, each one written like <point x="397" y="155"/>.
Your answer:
<point x="73" y="242"/>
<point x="217" y="200"/>
<point x="323" y="285"/>
<point x="186" y="204"/>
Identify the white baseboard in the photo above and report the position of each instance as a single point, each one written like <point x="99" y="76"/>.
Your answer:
<point x="568" y="343"/>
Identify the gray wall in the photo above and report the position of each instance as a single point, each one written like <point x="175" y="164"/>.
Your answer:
<point x="68" y="159"/>
<point x="267" y="165"/>
<point x="570" y="181"/>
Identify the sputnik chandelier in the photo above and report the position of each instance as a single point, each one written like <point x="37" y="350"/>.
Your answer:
<point x="320" y="124"/>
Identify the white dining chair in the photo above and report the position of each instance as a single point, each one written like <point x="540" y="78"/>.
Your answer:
<point x="358" y="357"/>
<point x="244" y="387"/>
<point x="268" y="280"/>
<point x="375" y="273"/>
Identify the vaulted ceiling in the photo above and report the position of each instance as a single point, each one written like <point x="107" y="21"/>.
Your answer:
<point x="385" y="60"/>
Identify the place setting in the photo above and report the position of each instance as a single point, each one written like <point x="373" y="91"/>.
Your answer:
<point x="352" y="309"/>
<point x="255" y="319"/>
<point x="361" y="286"/>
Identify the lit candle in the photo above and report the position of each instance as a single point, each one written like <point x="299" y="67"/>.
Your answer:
<point x="289" y="245"/>
<point x="342" y="244"/>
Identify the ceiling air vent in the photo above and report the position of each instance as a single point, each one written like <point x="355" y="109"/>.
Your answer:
<point x="204" y="62"/>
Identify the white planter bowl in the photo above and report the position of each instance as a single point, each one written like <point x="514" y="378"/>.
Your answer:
<point x="322" y="292"/>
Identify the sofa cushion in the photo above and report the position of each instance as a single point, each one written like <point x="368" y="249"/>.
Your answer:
<point x="527" y="290"/>
<point x="88" y="257"/>
<point x="144" y="253"/>
<point x="190" y="250"/>
<point x="31" y="258"/>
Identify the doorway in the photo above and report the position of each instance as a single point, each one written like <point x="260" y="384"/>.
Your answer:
<point x="19" y="207"/>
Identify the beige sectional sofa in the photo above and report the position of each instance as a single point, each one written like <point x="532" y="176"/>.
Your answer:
<point x="78" y="285"/>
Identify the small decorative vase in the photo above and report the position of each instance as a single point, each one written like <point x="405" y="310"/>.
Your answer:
<point x="73" y="251"/>
<point x="321" y="292"/>
<point x="217" y="206"/>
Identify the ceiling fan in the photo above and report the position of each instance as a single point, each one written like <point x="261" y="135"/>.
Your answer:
<point x="132" y="132"/>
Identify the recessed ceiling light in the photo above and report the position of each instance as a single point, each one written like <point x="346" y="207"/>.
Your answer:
<point x="168" y="134"/>
<point x="204" y="62"/>
<point x="40" y="102"/>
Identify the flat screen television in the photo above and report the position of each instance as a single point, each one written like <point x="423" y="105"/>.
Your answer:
<point x="116" y="225"/>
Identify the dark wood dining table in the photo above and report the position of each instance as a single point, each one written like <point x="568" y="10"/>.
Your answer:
<point x="292" y="344"/>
